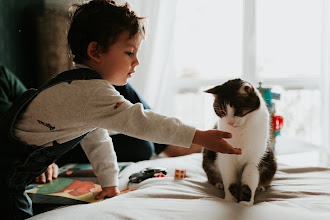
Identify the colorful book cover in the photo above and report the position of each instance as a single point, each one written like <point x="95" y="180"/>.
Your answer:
<point x="76" y="184"/>
<point x="81" y="190"/>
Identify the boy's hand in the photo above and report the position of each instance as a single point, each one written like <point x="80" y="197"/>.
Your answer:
<point x="50" y="174"/>
<point x="108" y="192"/>
<point x="213" y="140"/>
<point x="111" y="192"/>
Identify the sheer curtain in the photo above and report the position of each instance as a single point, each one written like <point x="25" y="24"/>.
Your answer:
<point x="156" y="58"/>
<point x="325" y="73"/>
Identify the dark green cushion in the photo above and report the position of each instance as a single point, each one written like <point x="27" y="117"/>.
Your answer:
<point x="10" y="88"/>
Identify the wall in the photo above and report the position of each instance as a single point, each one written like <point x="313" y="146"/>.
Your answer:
<point x="14" y="43"/>
<point x="21" y="25"/>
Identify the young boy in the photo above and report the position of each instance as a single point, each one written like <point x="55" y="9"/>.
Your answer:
<point x="82" y="104"/>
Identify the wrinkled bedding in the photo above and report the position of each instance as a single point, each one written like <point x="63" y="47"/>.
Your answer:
<point x="297" y="193"/>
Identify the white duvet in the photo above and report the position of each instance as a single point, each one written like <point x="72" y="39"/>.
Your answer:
<point x="295" y="194"/>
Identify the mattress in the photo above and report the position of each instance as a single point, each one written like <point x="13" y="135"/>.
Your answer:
<point x="297" y="193"/>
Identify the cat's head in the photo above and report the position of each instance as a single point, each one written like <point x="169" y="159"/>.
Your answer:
<point x="234" y="100"/>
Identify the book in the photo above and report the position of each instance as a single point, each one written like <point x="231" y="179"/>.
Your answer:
<point x="78" y="190"/>
<point x="76" y="184"/>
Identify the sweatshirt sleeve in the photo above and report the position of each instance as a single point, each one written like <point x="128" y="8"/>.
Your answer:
<point x="99" y="150"/>
<point x="107" y="109"/>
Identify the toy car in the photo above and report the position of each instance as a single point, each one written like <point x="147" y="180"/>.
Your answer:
<point x="146" y="173"/>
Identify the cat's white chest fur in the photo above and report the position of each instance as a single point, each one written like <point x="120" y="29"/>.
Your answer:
<point x="251" y="136"/>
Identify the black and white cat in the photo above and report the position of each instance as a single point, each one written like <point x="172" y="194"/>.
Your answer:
<point x="244" y="114"/>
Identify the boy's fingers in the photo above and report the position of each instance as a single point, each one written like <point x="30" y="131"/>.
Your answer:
<point x="101" y="195"/>
<point x="225" y="134"/>
<point x="49" y="173"/>
<point x="36" y="180"/>
<point x="235" y="151"/>
<point x="55" y="171"/>
<point x="230" y="150"/>
<point x="42" y="178"/>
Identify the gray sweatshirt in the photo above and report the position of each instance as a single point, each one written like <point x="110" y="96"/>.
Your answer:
<point x="74" y="109"/>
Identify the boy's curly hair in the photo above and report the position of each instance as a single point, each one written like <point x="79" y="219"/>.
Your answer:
<point x="101" y="21"/>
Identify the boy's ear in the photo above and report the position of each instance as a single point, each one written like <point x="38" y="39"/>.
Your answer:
<point x="93" y="51"/>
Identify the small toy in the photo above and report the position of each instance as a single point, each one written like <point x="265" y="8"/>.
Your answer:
<point x="277" y="121"/>
<point x="179" y="174"/>
<point x="146" y="174"/>
<point x="268" y="96"/>
<point x="160" y="174"/>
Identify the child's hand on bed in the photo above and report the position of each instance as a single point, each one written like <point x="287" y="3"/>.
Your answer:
<point x="111" y="192"/>
<point x="108" y="192"/>
<point x="213" y="140"/>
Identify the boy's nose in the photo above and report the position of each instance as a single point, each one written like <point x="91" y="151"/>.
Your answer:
<point x="136" y="62"/>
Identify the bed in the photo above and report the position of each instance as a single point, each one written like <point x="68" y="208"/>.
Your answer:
<point x="297" y="192"/>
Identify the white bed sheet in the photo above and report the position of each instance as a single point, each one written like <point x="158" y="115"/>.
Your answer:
<point x="295" y="194"/>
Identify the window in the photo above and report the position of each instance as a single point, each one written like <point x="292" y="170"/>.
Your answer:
<point x="289" y="38"/>
<point x="276" y="42"/>
<point x="207" y="45"/>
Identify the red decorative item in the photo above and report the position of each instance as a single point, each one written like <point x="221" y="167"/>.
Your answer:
<point x="277" y="123"/>
<point x="160" y="175"/>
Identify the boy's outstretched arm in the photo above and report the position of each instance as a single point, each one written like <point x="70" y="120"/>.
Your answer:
<point x="214" y="141"/>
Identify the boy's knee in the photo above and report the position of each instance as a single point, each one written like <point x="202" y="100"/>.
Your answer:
<point x="132" y="149"/>
<point x="144" y="151"/>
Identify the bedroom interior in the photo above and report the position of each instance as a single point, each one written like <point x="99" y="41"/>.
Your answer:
<point x="190" y="46"/>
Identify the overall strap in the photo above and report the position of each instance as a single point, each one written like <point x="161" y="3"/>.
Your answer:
<point x="71" y="75"/>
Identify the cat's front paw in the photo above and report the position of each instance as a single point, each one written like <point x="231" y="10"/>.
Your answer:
<point x="247" y="203"/>
<point x="219" y="185"/>
<point x="245" y="194"/>
<point x="246" y="197"/>
<point x="230" y="198"/>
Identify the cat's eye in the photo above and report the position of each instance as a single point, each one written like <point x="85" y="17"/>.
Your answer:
<point x="242" y="112"/>
<point x="220" y="113"/>
<point x="238" y="113"/>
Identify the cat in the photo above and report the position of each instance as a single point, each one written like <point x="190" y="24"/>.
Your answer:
<point x="243" y="112"/>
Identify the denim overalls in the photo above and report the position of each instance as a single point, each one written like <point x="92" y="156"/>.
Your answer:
<point x="20" y="163"/>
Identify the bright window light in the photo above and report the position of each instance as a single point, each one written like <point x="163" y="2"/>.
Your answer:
<point x="209" y="44"/>
<point x="208" y="38"/>
<point x="289" y="38"/>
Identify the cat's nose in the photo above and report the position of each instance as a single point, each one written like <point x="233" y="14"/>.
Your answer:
<point x="233" y="124"/>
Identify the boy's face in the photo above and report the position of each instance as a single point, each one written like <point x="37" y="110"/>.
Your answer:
<point x="119" y="62"/>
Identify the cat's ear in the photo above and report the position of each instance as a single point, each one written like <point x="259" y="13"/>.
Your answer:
<point x="246" y="89"/>
<point x="213" y="90"/>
